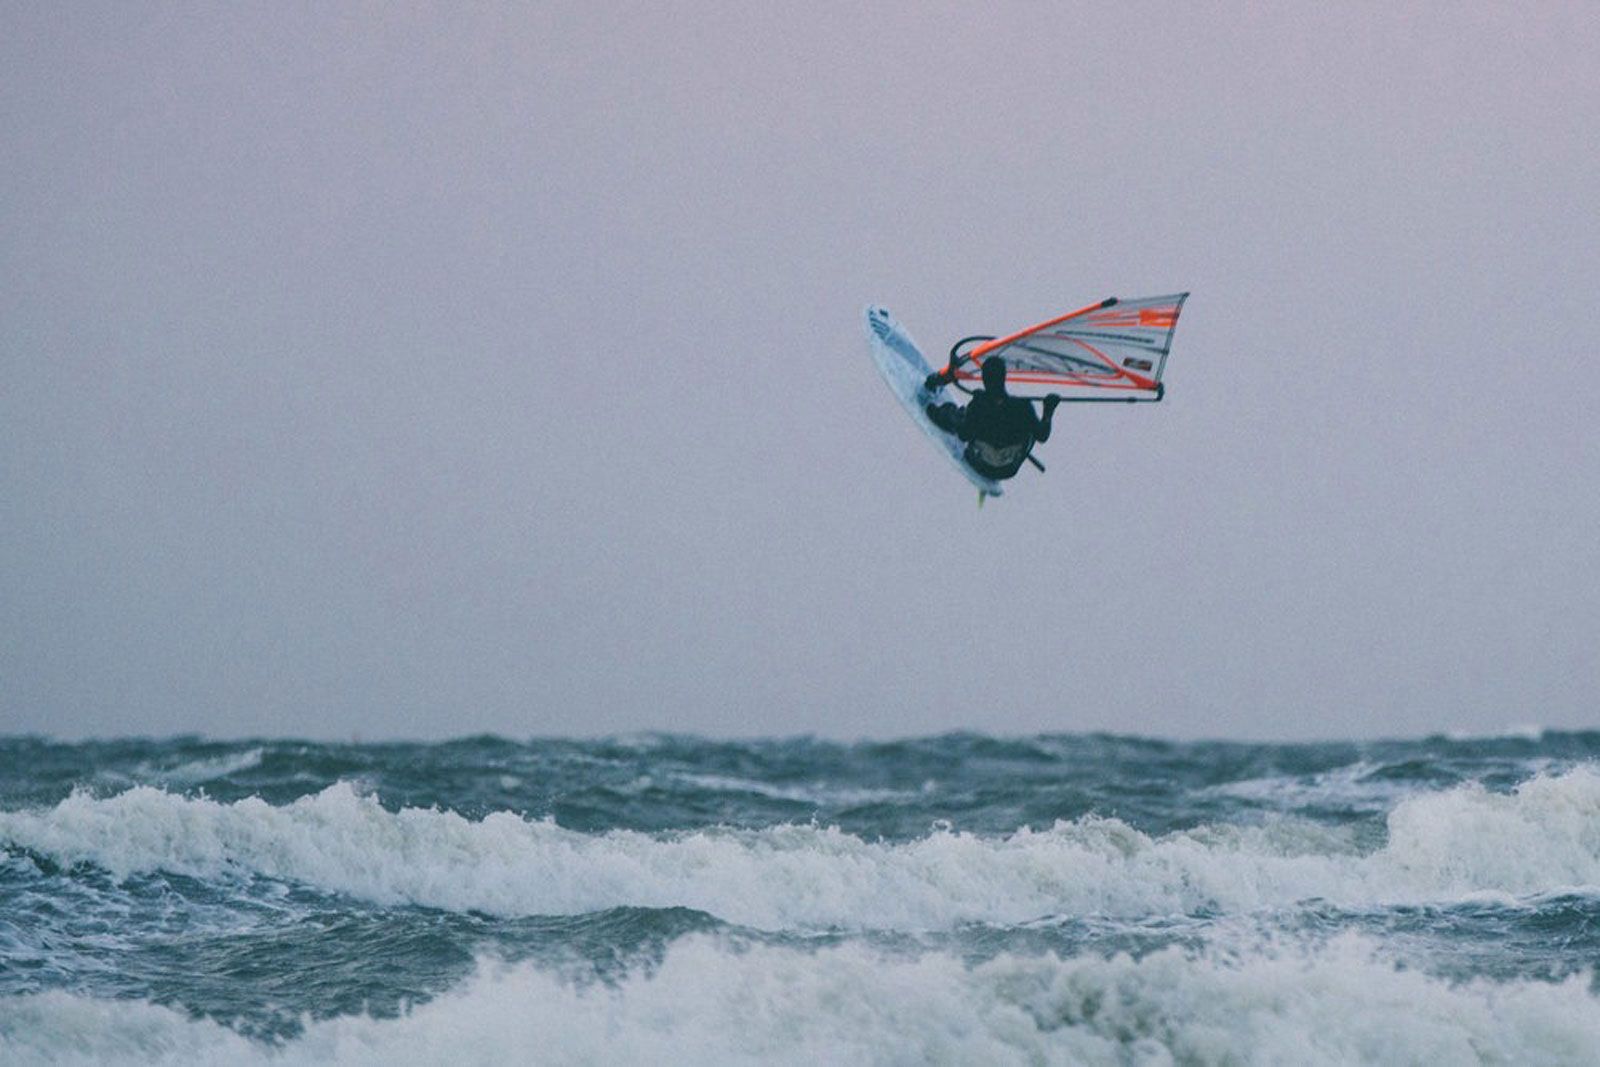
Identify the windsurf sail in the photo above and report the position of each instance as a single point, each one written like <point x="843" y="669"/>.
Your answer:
<point x="1115" y="344"/>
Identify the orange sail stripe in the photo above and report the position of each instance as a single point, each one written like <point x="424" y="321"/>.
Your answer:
<point x="1000" y="342"/>
<point x="1121" y="372"/>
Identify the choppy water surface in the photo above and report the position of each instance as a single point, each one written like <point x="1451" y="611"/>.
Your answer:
<point x="657" y="899"/>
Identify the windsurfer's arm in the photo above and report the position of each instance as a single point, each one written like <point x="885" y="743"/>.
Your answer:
<point x="1050" y="403"/>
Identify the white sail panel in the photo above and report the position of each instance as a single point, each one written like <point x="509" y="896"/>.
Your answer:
<point x="1117" y="344"/>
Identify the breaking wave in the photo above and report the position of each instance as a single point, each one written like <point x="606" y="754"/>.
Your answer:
<point x="1543" y="837"/>
<point x="711" y="1002"/>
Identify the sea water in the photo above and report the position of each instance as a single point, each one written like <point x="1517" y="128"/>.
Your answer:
<point x="664" y="899"/>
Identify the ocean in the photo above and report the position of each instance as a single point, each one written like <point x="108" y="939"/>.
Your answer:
<point x="668" y="899"/>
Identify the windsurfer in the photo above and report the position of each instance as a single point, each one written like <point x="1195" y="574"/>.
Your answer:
<point x="1000" y="429"/>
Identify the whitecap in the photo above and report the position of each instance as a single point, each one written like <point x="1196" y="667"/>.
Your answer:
<point x="1514" y="732"/>
<point x="1456" y="844"/>
<point x="818" y="794"/>
<point x="710" y="1002"/>
<point x="1351" y="784"/>
<point x="200" y="771"/>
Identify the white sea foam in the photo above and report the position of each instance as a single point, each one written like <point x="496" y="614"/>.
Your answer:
<point x="815" y="793"/>
<point x="1515" y="732"/>
<point x="1459" y="843"/>
<point x="710" y="1002"/>
<point x="196" y="772"/>
<point x="1349" y="785"/>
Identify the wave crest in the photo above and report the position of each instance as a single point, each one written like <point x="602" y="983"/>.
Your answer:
<point x="1542" y="838"/>
<point x="710" y="1002"/>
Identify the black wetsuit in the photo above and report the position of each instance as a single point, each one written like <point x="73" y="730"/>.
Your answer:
<point x="1000" y="430"/>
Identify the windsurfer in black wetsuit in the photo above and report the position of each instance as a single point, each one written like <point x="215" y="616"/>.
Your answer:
<point x="1000" y="429"/>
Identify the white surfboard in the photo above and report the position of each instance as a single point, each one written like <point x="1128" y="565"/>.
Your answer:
<point x="905" y="370"/>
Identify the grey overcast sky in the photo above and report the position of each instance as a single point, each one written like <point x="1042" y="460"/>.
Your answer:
<point x="410" y="371"/>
